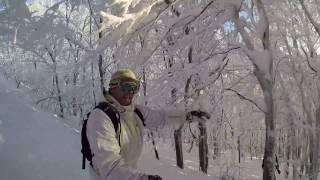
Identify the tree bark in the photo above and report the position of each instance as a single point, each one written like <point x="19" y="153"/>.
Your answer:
<point x="100" y="65"/>
<point x="56" y="82"/>
<point x="270" y="144"/>
<point x="311" y="19"/>
<point x="265" y="80"/>
<point x="92" y="63"/>
<point x="178" y="146"/>
<point x="239" y="150"/>
<point x="144" y="85"/>
<point x="59" y="93"/>
<point x="203" y="148"/>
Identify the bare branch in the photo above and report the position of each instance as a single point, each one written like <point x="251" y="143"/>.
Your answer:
<point x="201" y="12"/>
<point x="219" y="53"/>
<point x="220" y="68"/>
<point x="242" y="97"/>
<point x="263" y="15"/>
<point x="44" y="60"/>
<point x="192" y="134"/>
<point x="240" y="28"/>
<point x="240" y="79"/>
<point x="173" y="26"/>
<point x="217" y="71"/>
<point x="46" y="98"/>
<point x="277" y="70"/>
<point x="312" y="21"/>
<point x="91" y="13"/>
<point x="150" y="22"/>
<point x="308" y="61"/>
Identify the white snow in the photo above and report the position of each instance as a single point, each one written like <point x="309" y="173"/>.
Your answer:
<point x="33" y="145"/>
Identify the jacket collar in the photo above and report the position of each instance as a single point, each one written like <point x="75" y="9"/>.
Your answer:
<point x="110" y="99"/>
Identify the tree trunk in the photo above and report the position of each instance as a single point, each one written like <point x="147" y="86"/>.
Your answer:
<point x="203" y="148"/>
<point x="178" y="132"/>
<point x="288" y="153"/>
<point x="56" y="78"/>
<point x="265" y="78"/>
<point x="313" y="155"/>
<point x="144" y="85"/>
<point x="92" y="64"/>
<point x="295" y="155"/>
<point x="251" y="146"/>
<point x="74" y="99"/>
<point x="216" y="148"/>
<point x="239" y="149"/>
<point x="314" y="148"/>
<point x="100" y="65"/>
<point x="178" y="146"/>
<point x="56" y="82"/>
<point x="270" y="142"/>
<point x="178" y="138"/>
<point x="203" y="142"/>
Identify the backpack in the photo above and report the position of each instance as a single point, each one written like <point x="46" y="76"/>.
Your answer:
<point x="114" y="115"/>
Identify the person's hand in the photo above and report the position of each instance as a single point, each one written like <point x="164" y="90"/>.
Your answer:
<point x="197" y="116"/>
<point x="154" y="177"/>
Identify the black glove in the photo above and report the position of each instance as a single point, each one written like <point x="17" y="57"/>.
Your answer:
<point x="197" y="115"/>
<point x="154" y="177"/>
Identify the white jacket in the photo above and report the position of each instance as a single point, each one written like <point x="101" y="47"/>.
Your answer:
<point x="111" y="162"/>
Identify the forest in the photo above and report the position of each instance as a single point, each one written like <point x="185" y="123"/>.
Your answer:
<point x="254" y="65"/>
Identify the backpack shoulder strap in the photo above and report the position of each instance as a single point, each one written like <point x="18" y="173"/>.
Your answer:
<point x="85" y="150"/>
<point x="138" y="112"/>
<point x="114" y="116"/>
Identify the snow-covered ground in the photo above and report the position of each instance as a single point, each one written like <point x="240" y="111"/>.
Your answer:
<point x="36" y="145"/>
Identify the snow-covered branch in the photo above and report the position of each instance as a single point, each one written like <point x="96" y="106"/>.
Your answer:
<point x="242" y="97"/>
<point x="308" y="60"/>
<point x="311" y="19"/>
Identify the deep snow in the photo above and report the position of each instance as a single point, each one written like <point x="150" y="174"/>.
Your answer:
<point x="35" y="145"/>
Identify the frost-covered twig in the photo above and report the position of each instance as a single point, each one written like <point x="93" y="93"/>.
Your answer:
<point x="41" y="57"/>
<point x="54" y="7"/>
<point x="242" y="97"/>
<point x="240" y="79"/>
<point x="151" y="22"/>
<point x="193" y="135"/>
<point x="240" y="28"/>
<point x="46" y="98"/>
<point x="313" y="22"/>
<point x="91" y="13"/>
<point x="219" y="53"/>
<point x="308" y="61"/>
<point x="201" y="12"/>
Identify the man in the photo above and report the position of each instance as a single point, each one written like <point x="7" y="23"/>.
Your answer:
<point x="115" y="155"/>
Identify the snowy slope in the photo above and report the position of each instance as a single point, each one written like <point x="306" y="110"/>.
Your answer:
<point x="35" y="145"/>
<point x="166" y="167"/>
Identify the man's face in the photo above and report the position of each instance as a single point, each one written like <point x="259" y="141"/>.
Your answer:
<point x="124" y="92"/>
